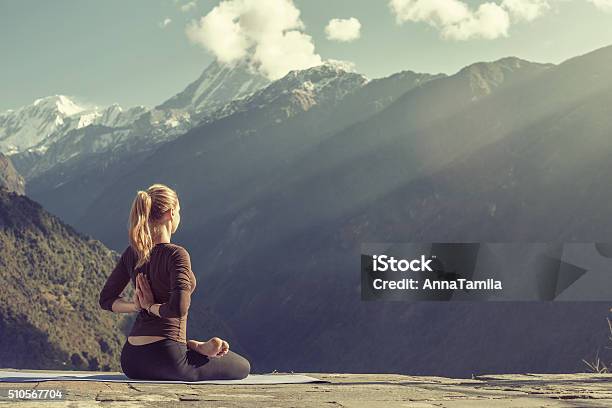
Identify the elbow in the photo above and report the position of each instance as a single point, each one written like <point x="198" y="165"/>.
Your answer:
<point x="105" y="303"/>
<point x="184" y="307"/>
<point x="179" y="312"/>
<point x="101" y="301"/>
<point x="182" y="312"/>
<point x="177" y="306"/>
<point x="166" y="310"/>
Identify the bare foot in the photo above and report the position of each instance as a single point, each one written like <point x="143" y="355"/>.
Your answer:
<point x="210" y="348"/>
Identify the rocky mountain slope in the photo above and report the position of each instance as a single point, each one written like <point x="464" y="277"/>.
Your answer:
<point x="217" y="85"/>
<point x="237" y="156"/>
<point x="10" y="180"/>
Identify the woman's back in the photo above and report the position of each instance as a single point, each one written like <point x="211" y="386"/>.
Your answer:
<point x="172" y="282"/>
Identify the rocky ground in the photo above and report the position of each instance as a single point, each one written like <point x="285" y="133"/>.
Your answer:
<point x="343" y="390"/>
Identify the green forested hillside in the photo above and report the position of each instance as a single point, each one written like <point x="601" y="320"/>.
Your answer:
<point x="51" y="276"/>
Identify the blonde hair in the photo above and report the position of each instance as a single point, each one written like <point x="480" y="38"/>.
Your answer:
<point x="147" y="209"/>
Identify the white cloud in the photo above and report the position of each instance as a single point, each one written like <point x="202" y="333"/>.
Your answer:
<point x="489" y="21"/>
<point x="266" y="32"/>
<point x="220" y="34"/>
<point x="188" y="6"/>
<point x="165" y="23"/>
<point x="604" y="5"/>
<point x="456" y="20"/>
<point x="343" y="30"/>
<point x="527" y="10"/>
<point x="434" y="12"/>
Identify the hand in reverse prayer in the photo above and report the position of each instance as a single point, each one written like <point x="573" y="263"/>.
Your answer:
<point x="144" y="292"/>
<point x="136" y="300"/>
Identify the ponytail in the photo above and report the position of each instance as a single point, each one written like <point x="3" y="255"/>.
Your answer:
<point x="147" y="209"/>
<point x="139" y="229"/>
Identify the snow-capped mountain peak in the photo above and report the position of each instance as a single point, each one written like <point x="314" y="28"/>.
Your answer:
<point x="28" y="125"/>
<point x="298" y="91"/>
<point x="340" y="65"/>
<point x="217" y="85"/>
<point x="55" y="129"/>
<point x="60" y="103"/>
<point x="48" y="119"/>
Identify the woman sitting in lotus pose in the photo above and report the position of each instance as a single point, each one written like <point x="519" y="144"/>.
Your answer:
<point x="157" y="348"/>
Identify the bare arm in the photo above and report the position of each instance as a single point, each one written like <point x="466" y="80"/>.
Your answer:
<point x="122" y="306"/>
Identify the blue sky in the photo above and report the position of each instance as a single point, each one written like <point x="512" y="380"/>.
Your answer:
<point x="102" y="52"/>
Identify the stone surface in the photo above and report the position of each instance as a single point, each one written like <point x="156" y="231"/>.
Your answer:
<point x="344" y="390"/>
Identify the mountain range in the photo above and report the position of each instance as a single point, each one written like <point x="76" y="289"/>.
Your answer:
<point x="280" y="186"/>
<point x="91" y="146"/>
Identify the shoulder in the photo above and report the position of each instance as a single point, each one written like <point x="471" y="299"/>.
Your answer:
<point x="176" y="250"/>
<point x="129" y="255"/>
<point x="178" y="253"/>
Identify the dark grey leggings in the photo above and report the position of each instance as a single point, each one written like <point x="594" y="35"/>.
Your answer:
<point x="168" y="359"/>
